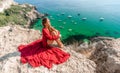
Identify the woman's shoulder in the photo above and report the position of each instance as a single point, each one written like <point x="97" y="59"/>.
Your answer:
<point x="44" y="29"/>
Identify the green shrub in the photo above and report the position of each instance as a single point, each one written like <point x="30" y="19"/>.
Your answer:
<point x="15" y="14"/>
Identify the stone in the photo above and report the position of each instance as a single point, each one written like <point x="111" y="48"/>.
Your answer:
<point x="107" y="56"/>
<point x="10" y="57"/>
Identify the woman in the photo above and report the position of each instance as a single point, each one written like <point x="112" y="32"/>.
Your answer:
<point x="53" y="32"/>
<point x="40" y="52"/>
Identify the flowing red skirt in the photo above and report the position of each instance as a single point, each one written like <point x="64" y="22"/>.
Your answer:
<point x="37" y="55"/>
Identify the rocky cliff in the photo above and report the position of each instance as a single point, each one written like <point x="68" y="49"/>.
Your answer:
<point x="101" y="55"/>
<point x="12" y="36"/>
<point x="104" y="51"/>
<point x="18" y="14"/>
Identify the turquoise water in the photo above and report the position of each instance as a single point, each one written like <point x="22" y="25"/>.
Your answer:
<point x="91" y="10"/>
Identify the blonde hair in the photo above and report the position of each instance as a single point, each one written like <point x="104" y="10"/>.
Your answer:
<point x="50" y="28"/>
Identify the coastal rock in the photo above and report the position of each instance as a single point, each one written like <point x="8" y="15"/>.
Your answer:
<point x="20" y="14"/>
<point x="32" y="15"/>
<point x="12" y="36"/>
<point x="101" y="55"/>
<point x="104" y="51"/>
<point x="106" y="55"/>
<point x="4" y="4"/>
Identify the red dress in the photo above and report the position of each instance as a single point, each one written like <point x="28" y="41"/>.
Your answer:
<point x="38" y="53"/>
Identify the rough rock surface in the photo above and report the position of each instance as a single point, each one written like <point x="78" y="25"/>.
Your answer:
<point x="33" y="15"/>
<point x="102" y="55"/>
<point x="4" y="4"/>
<point x="12" y="36"/>
<point x="107" y="55"/>
<point x="30" y="16"/>
<point x="104" y="51"/>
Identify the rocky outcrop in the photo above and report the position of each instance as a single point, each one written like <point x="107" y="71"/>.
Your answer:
<point x="20" y="14"/>
<point x="101" y="55"/>
<point x="4" y="4"/>
<point x="104" y="51"/>
<point x="107" y="55"/>
<point x="12" y="36"/>
<point x="32" y="15"/>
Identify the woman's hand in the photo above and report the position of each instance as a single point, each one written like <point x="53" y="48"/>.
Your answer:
<point x="54" y="33"/>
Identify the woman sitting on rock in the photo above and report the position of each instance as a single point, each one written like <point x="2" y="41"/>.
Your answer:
<point x="40" y="52"/>
<point x="53" y="32"/>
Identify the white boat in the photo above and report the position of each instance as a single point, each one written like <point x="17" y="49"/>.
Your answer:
<point x="59" y="20"/>
<point x="72" y="21"/>
<point x="51" y="16"/>
<point x="69" y="29"/>
<point x="75" y="23"/>
<point x="101" y="18"/>
<point x="62" y="13"/>
<point x="69" y="16"/>
<point x="64" y="22"/>
<point x="61" y="27"/>
<point x="84" y="18"/>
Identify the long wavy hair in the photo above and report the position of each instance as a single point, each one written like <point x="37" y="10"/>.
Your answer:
<point x="50" y="28"/>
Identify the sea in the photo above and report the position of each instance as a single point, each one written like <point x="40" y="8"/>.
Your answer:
<point x="80" y="18"/>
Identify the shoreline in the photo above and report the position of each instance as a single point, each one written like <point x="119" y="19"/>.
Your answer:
<point x="19" y="14"/>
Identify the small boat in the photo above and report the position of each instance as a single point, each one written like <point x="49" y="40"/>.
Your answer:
<point x="69" y="16"/>
<point x="51" y="16"/>
<point x="64" y="22"/>
<point x="75" y="23"/>
<point x="61" y="27"/>
<point x="101" y="18"/>
<point x="59" y="20"/>
<point x="84" y="18"/>
<point x="72" y="21"/>
<point x="62" y="13"/>
<point x="69" y="29"/>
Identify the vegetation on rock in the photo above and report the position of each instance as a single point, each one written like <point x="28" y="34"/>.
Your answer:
<point x="16" y="14"/>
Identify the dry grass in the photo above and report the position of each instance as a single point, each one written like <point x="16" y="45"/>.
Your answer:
<point x="84" y="48"/>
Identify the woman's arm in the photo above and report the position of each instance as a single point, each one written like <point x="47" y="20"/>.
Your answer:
<point x="49" y="36"/>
